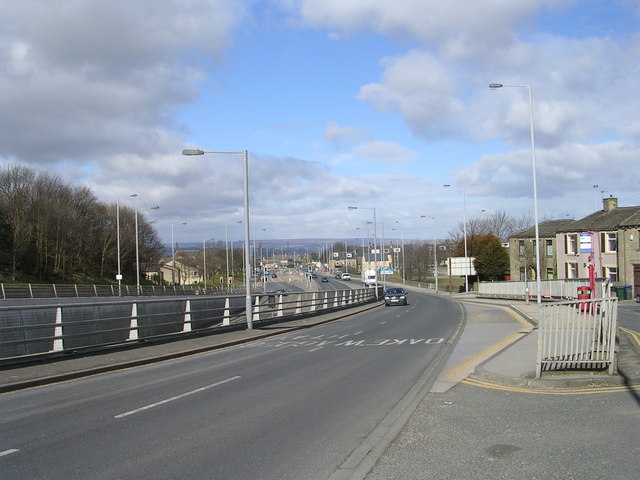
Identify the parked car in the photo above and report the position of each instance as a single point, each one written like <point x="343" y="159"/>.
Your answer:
<point x="395" y="296"/>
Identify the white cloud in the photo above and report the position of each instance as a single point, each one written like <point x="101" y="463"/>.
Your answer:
<point x="385" y="152"/>
<point x="340" y="136"/>
<point x="86" y="78"/>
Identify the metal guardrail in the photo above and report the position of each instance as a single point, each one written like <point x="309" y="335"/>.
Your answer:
<point x="28" y="331"/>
<point x="32" y="290"/>
<point x="577" y="334"/>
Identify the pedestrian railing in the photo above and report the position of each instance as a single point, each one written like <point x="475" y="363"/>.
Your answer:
<point x="32" y="290"/>
<point x="27" y="331"/>
<point x="577" y="335"/>
<point x="553" y="289"/>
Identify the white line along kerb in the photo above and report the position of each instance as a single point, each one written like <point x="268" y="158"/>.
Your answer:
<point x="177" y="397"/>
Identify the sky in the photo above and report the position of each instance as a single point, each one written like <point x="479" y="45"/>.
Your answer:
<point x="366" y="103"/>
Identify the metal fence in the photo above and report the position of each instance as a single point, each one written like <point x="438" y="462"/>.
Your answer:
<point x="555" y="289"/>
<point x="32" y="290"/>
<point x="577" y="335"/>
<point x="27" y="331"/>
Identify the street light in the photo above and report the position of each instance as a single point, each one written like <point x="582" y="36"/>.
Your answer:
<point x="375" y="242"/>
<point x="494" y="86"/>
<point x="402" y="244"/>
<point x="247" y="252"/>
<point x="467" y="266"/>
<point x="435" y="251"/>
<point x="135" y="195"/>
<point x="119" y="274"/>
<point x="173" y="254"/>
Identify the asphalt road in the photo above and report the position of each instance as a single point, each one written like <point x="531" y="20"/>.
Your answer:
<point x="299" y="406"/>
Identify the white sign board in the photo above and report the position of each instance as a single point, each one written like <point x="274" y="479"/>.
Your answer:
<point x="585" y="243"/>
<point x="460" y="266"/>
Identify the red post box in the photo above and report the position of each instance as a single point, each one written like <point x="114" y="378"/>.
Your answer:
<point x="584" y="293"/>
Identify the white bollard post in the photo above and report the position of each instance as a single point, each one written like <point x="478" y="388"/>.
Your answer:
<point x="186" y="326"/>
<point x="58" y="343"/>
<point x="226" y="320"/>
<point x="133" y="323"/>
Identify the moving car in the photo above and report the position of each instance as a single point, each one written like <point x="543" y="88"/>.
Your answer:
<point x="346" y="276"/>
<point x="395" y="296"/>
<point x="324" y="279"/>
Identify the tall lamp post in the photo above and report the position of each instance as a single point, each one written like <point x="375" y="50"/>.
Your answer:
<point x="467" y="266"/>
<point x="247" y="280"/>
<point x="435" y="251"/>
<point x="135" y="196"/>
<point x="402" y="251"/>
<point x="375" y="242"/>
<point x="173" y="253"/>
<point x="494" y="86"/>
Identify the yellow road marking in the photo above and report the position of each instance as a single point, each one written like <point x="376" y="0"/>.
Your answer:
<point x="635" y="335"/>
<point x="556" y="391"/>
<point x="457" y="373"/>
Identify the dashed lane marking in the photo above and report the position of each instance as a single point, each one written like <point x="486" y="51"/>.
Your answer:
<point x="8" y="452"/>
<point x="177" y="397"/>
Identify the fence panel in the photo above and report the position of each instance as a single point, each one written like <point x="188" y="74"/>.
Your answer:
<point x="32" y="330"/>
<point x="577" y="335"/>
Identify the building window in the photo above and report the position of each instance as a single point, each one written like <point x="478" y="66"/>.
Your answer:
<point x="549" y="248"/>
<point x="572" y="270"/>
<point x="609" y="242"/>
<point x="572" y="244"/>
<point x="611" y="273"/>
<point x="521" y="249"/>
<point x="549" y="273"/>
<point x="522" y="274"/>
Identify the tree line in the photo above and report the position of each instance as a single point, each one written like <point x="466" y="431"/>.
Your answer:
<point x="51" y="231"/>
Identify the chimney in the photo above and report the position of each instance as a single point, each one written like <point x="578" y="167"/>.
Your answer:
<point x="609" y="203"/>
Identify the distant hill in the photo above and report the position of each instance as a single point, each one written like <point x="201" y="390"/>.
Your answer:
<point x="295" y="246"/>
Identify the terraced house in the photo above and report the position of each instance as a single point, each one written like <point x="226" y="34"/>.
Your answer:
<point x="611" y="236"/>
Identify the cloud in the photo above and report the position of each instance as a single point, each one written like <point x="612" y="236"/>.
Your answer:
<point x="342" y="136"/>
<point x="385" y="152"/>
<point x="86" y="78"/>
<point x="419" y="87"/>
<point x="460" y="29"/>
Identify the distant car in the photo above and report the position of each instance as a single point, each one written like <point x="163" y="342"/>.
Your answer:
<point x="324" y="279"/>
<point x="395" y="296"/>
<point x="273" y="275"/>
<point x="338" y="276"/>
<point x="313" y="275"/>
<point x="281" y="291"/>
<point x="346" y="276"/>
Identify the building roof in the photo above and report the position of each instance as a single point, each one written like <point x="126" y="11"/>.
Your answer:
<point x="610" y="218"/>
<point x="546" y="229"/>
<point x="621" y="217"/>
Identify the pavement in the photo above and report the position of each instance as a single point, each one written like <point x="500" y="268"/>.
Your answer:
<point x="507" y="357"/>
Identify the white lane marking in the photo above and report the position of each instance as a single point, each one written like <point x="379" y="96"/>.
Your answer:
<point x="9" y="452"/>
<point x="177" y="397"/>
<point x="359" y="332"/>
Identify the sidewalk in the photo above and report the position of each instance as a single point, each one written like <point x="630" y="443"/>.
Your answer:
<point x="515" y="364"/>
